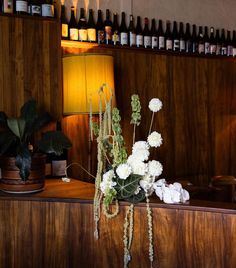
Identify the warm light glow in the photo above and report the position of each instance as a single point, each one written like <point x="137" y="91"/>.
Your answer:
<point x="83" y="75"/>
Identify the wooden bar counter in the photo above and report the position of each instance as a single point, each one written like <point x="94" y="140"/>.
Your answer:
<point x="54" y="229"/>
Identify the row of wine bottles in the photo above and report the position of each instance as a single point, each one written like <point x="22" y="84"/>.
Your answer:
<point x="176" y="38"/>
<point x="45" y="8"/>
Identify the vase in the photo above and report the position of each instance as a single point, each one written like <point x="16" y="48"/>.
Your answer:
<point x="11" y="181"/>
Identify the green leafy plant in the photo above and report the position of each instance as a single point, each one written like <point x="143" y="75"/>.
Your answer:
<point x="17" y="133"/>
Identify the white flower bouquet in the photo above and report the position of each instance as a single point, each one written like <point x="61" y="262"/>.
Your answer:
<point x="133" y="177"/>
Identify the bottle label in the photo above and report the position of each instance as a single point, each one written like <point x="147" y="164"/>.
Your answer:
<point x="234" y="52"/>
<point x="64" y="30"/>
<point x="169" y="44"/>
<point x="147" y="41"/>
<point x="59" y="167"/>
<point x="47" y="10"/>
<point x="223" y="51"/>
<point x="218" y="49"/>
<point x="229" y="50"/>
<point x="213" y="49"/>
<point x="115" y="38"/>
<point x="154" y="41"/>
<point x="74" y="34"/>
<point x="83" y="35"/>
<point x="200" y="48"/>
<point x="176" y="44"/>
<point x="139" y="40"/>
<point x="35" y="10"/>
<point x="124" y="38"/>
<point x="161" y="42"/>
<point x="132" y="39"/>
<point x="207" y="48"/>
<point x="8" y="6"/>
<point x="108" y="32"/>
<point x="92" y="34"/>
<point x="182" y="45"/>
<point x="101" y="36"/>
<point x="21" y="6"/>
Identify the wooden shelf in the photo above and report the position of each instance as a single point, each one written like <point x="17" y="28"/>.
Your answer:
<point x="29" y="17"/>
<point x="88" y="45"/>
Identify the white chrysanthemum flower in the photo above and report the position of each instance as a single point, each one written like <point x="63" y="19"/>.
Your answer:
<point x="154" y="139"/>
<point x="148" y="178"/>
<point x="155" y="105"/>
<point x="138" y="167"/>
<point x="147" y="186"/>
<point x="155" y="168"/>
<point x="141" y="154"/>
<point x="108" y="175"/>
<point x="123" y="171"/>
<point x="107" y="183"/>
<point x="140" y="145"/>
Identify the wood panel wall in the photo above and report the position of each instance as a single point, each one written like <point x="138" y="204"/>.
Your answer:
<point x="60" y="235"/>
<point x="198" y="119"/>
<point x="30" y="64"/>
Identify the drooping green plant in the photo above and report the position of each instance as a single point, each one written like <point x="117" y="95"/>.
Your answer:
<point x="17" y="133"/>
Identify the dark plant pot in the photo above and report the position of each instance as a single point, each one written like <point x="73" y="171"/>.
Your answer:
<point x="11" y="181"/>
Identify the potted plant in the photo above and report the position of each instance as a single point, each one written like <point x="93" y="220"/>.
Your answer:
<point x="22" y="169"/>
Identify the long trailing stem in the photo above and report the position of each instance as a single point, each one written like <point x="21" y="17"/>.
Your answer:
<point x="150" y="128"/>
<point x="150" y="231"/>
<point x="134" y="133"/>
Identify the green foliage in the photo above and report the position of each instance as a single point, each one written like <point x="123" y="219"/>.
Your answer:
<point x="110" y="195"/>
<point x="126" y="188"/>
<point x="17" y="134"/>
<point x="136" y="198"/>
<point x="136" y="110"/>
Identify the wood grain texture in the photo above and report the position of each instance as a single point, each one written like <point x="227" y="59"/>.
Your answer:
<point x="198" y="119"/>
<point x="30" y="64"/>
<point x="41" y="231"/>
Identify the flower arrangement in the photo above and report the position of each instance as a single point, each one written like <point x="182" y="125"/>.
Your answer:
<point x="133" y="177"/>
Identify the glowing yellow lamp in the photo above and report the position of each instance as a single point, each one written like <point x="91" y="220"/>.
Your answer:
<point x="83" y="76"/>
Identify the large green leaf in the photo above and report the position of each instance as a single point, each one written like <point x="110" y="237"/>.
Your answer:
<point x="29" y="111"/>
<point x="17" y="126"/>
<point x="7" y="138"/>
<point x="3" y="119"/>
<point x="136" y="198"/>
<point x="23" y="162"/>
<point x="54" y="142"/>
<point x="126" y="188"/>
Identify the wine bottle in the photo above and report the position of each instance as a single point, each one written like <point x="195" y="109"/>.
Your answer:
<point x="160" y="36"/>
<point x="21" y="7"/>
<point x="234" y="43"/>
<point x="55" y="9"/>
<point x="188" y="39"/>
<point x="100" y="28"/>
<point x="154" y="34"/>
<point x="108" y="28"/>
<point x="59" y="162"/>
<point x="7" y="6"/>
<point x="34" y="8"/>
<point x="168" y="37"/>
<point x="82" y="26"/>
<point x="73" y="28"/>
<point x="206" y="42"/>
<point x="223" y="44"/>
<point x="212" y="42"/>
<point x="131" y="32"/>
<point x="139" y="33"/>
<point x="194" y="39"/>
<point x="218" y="42"/>
<point x="115" y="32"/>
<point x="175" y="36"/>
<point x="147" y="41"/>
<point x="123" y="31"/>
<point x="64" y="24"/>
<point x="229" y="45"/>
<point x="47" y="9"/>
<point x="201" y="43"/>
<point x="91" y="27"/>
<point x="182" y="41"/>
